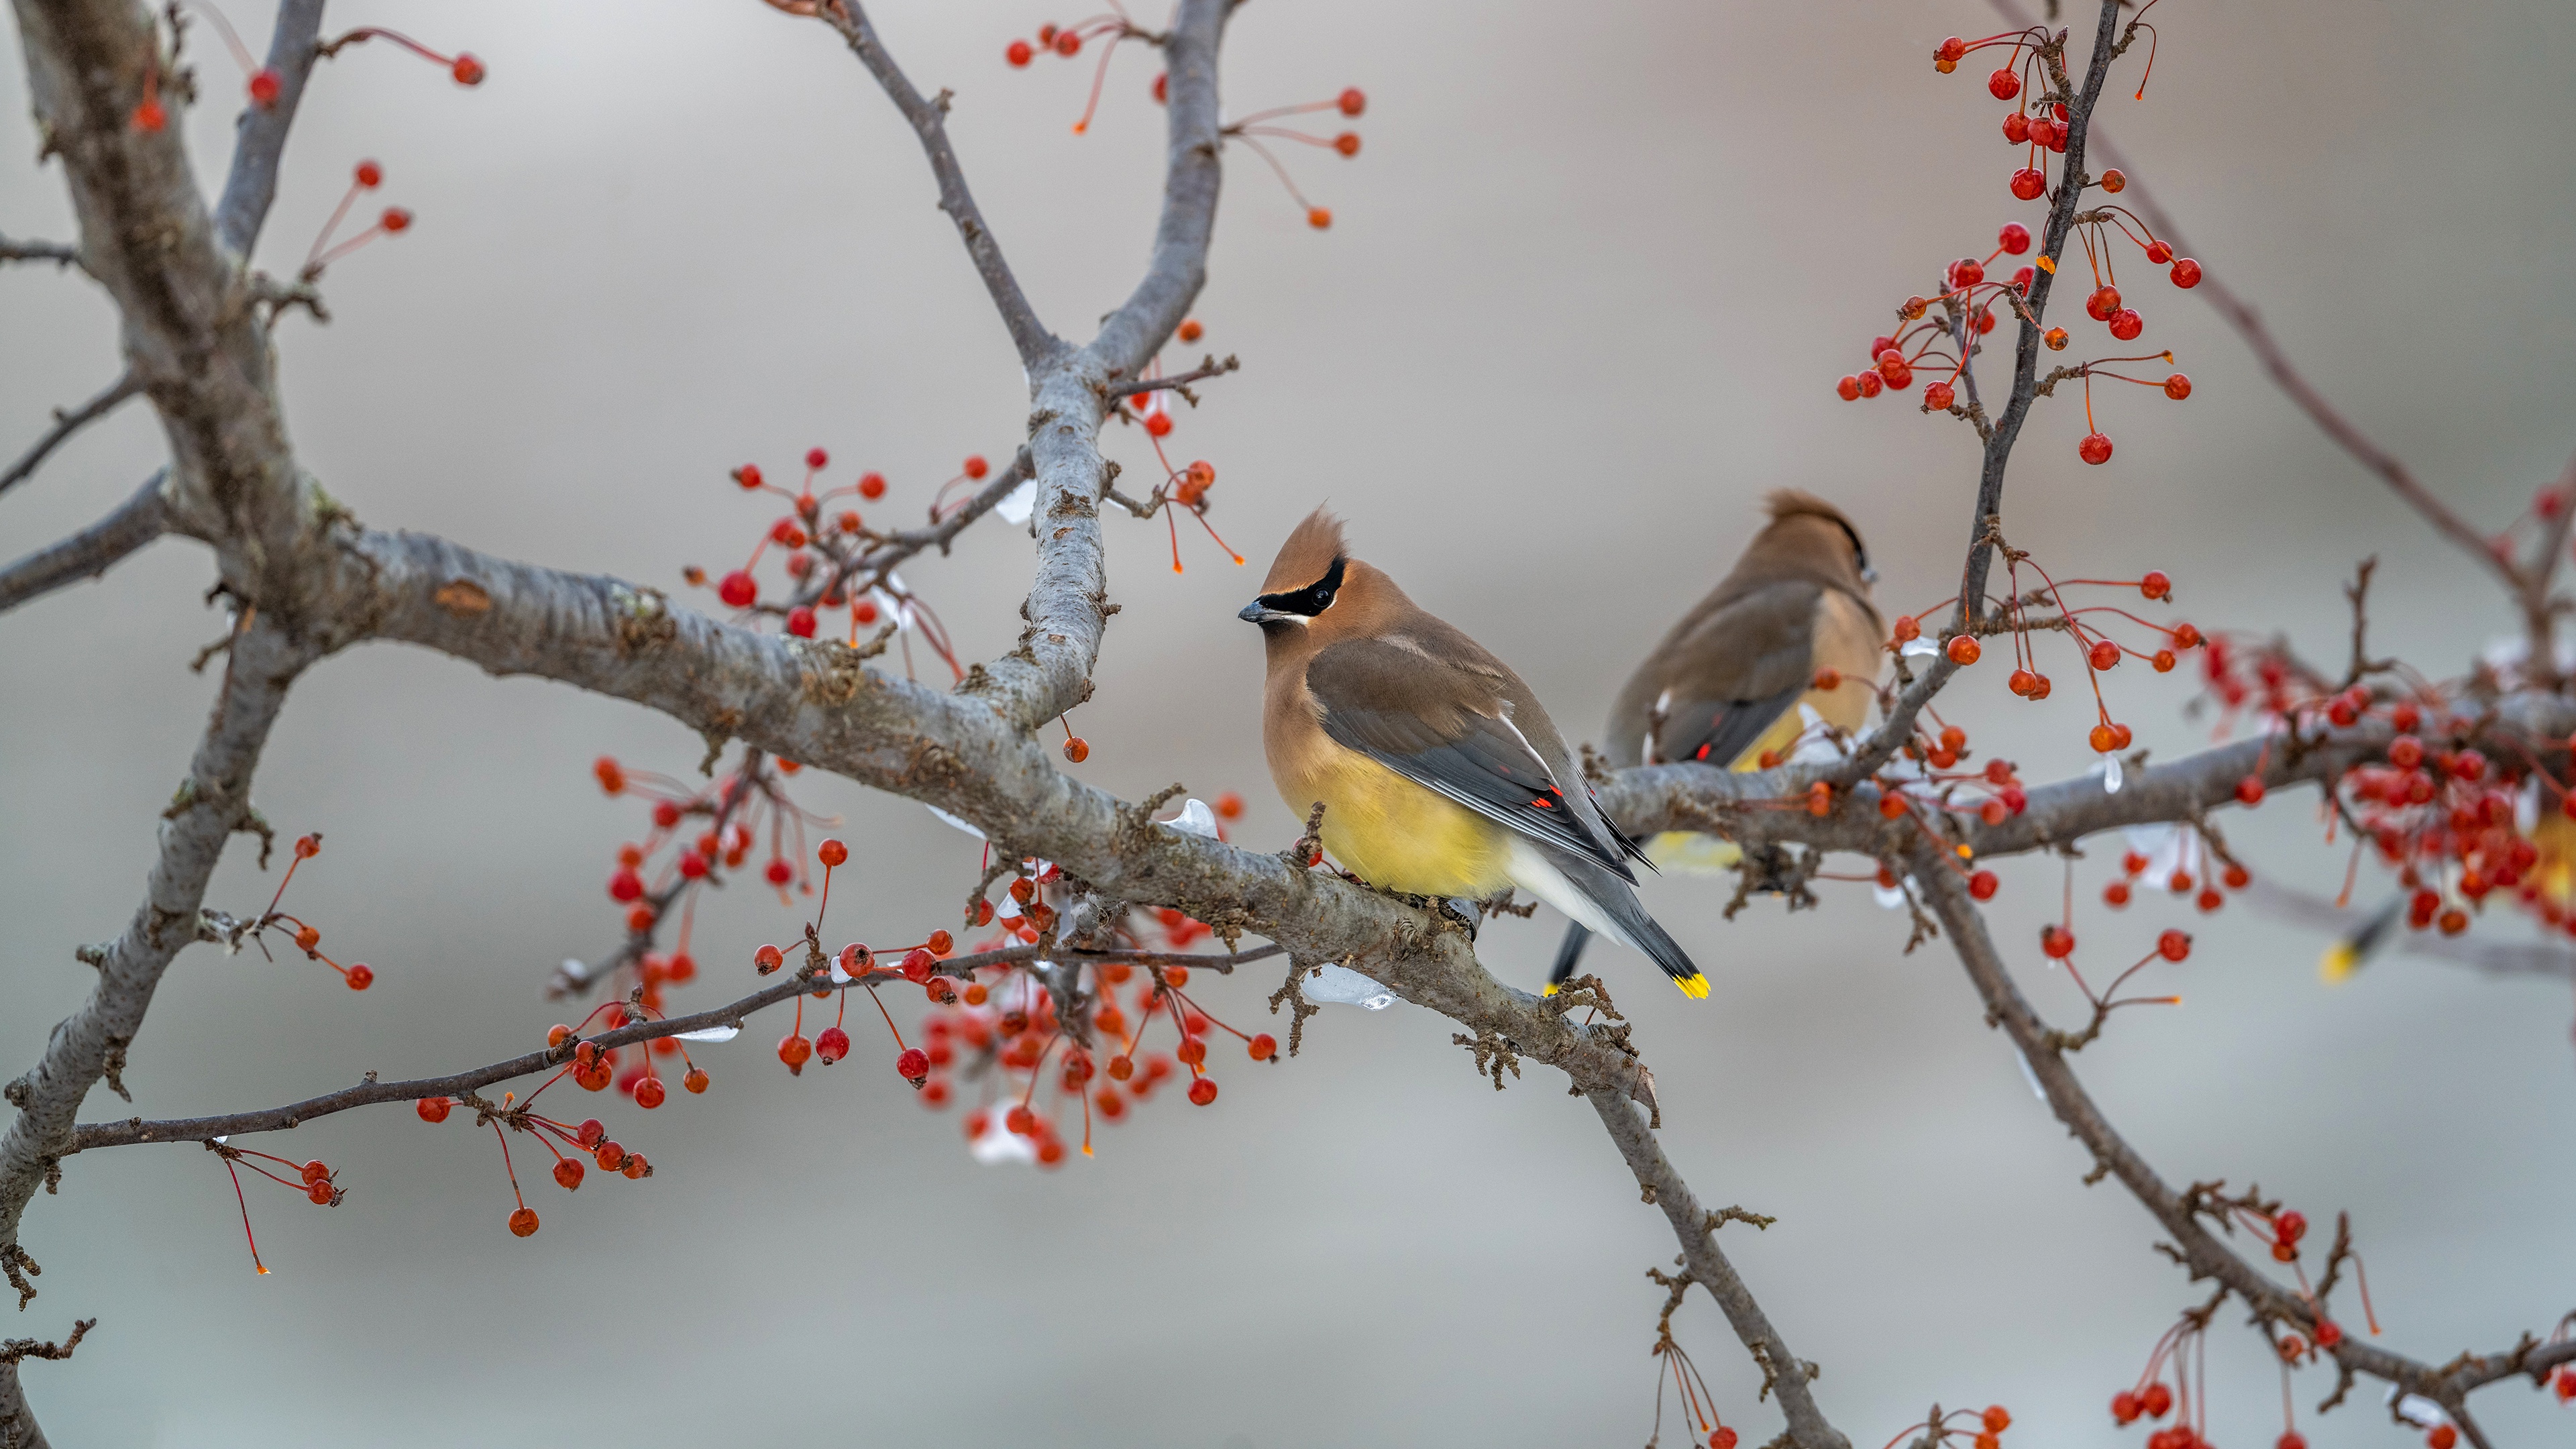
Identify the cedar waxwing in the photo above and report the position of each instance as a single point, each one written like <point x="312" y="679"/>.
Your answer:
<point x="1738" y="677"/>
<point x="1439" y="772"/>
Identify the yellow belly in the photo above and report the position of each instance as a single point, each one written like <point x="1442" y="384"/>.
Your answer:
<point x="1395" y="834"/>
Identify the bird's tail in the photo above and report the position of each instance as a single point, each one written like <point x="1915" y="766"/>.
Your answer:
<point x="1569" y="953"/>
<point x="1596" y="899"/>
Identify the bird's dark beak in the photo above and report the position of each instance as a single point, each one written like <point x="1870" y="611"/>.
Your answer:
<point x="1257" y="612"/>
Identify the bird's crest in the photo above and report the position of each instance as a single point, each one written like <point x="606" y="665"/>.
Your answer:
<point x="1307" y="555"/>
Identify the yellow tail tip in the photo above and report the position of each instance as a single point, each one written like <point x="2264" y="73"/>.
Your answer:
<point x="1548" y="990"/>
<point x="1694" y="986"/>
<point x="2340" y="961"/>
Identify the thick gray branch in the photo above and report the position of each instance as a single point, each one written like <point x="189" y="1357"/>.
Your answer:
<point x="88" y="553"/>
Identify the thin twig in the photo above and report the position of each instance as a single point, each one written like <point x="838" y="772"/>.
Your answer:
<point x="68" y="423"/>
<point x="928" y="118"/>
<point x="39" y="251"/>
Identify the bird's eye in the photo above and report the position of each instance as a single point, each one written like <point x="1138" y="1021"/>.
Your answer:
<point x="1311" y="600"/>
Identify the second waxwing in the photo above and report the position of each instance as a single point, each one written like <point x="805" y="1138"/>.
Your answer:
<point x="1785" y="643"/>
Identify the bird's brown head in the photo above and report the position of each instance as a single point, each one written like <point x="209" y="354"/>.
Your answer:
<point x="1317" y="593"/>
<point x="1809" y="538"/>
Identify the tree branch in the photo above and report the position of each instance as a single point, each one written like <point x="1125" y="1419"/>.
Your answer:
<point x="66" y="424"/>
<point x="2061" y="219"/>
<point x="135" y="1131"/>
<point x="39" y="251"/>
<point x="2200" y="1250"/>
<point x="212" y="803"/>
<point x="2248" y="323"/>
<point x="1695" y="1227"/>
<point x="928" y="118"/>
<point x="89" y="553"/>
<point x="260" y="135"/>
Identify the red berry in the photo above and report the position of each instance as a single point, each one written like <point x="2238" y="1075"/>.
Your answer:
<point x="2102" y="303"/>
<point x="1018" y="53"/>
<point x="2442" y="1437"/>
<point x="1985" y="883"/>
<point x="2249" y="791"/>
<point x="1202" y="1091"/>
<point x="800" y="621"/>
<point x="1848" y="389"/>
<point x="2003" y="84"/>
<point x="780" y="872"/>
<point x="2014" y="238"/>
<point x="2290" y="1439"/>
<point x="1963" y="649"/>
<point x="2017" y="128"/>
<point x="832" y="853"/>
<point x="2174" y="945"/>
<point x="941" y="943"/>
<point x="1950" y="50"/>
<point x="649" y="1093"/>
<point x="1348" y="143"/>
<point x="433" y="1109"/>
<point x="693" y="865"/>
<point x="1996" y="1419"/>
<point x="467" y="70"/>
<point x="1262" y="1047"/>
<point x="794" y="1050"/>
<point x="2029" y="182"/>
<point x="2126" y="324"/>
<point x="913" y="1065"/>
<point x="1871" y="384"/>
<point x="2328" y="1333"/>
<point x="394" y="220"/>
<point x="2096" y="448"/>
<point x="360" y="976"/>
<point x="2155" y="585"/>
<point x="2159" y="253"/>
<point x="2186" y="273"/>
<point x="1352" y="102"/>
<point x="2056" y="942"/>
<point x="1722" y="1437"/>
<point x="568" y="1171"/>
<point x="523" y="1222"/>
<point x="738" y="590"/>
<point x="2157" y="1399"/>
<point x="2103" y="655"/>
<point x="1067" y="43"/>
<point x="2124" y="1407"/>
<point x="1077" y="749"/>
<point x="1320" y="218"/>
<point x="830" y="1045"/>
<point x="1966" y="272"/>
<point x="696" y="1081"/>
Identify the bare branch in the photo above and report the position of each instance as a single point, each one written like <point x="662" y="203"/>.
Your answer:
<point x="2200" y="1250"/>
<point x="39" y="251"/>
<point x="929" y="119"/>
<point x="260" y="135"/>
<point x="1180" y="381"/>
<point x="66" y="424"/>
<point x="212" y="803"/>
<point x="89" y="553"/>
<point x="1695" y="1227"/>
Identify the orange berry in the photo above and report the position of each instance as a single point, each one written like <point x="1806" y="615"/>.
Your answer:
<point x="523" y="1222"/>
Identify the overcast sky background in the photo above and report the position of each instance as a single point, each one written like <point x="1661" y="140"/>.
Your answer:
<point x="1588" y="288"/>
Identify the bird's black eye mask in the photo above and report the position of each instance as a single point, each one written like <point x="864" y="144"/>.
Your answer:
<point x="1311" y="600"/>
<point x="1860" y="555"/>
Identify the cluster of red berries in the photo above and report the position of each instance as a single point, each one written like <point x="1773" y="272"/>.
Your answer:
<point x="827" y="560"/>
<point x="265" y="86"/>
<point x="1182" y="488"/>
<point x="1068" y="41"/>
<point x="1968" y="297"/>
<point x="392" y="221"/>
<point x="589" y="1140"/>
<point x="2180" y="877"/>
<point x="2095" y="647"/>
<point x="307" y="938"/>
<point x="314" y="1180"/>
<point x="2457" y="826"/>
<point x="1982" y="1429"/>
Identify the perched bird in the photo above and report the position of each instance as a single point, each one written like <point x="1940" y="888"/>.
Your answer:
<point x="1787" y="639"/>
<point x="1439" y="773"/>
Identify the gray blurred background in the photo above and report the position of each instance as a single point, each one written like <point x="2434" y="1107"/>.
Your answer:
<point x="1588" y="289"/>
